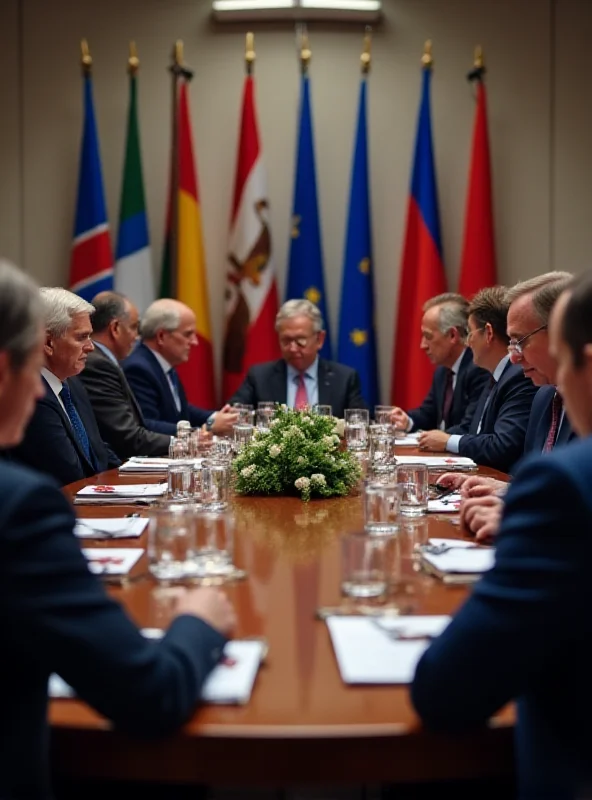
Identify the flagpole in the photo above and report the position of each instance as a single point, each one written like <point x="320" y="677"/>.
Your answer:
<point x="178" y="70"/>
<point x="479" y="70"/>
<point x="85" y="59"/>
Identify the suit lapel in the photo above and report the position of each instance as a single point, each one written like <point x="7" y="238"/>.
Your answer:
<point x="55" y="403"/>
<point x="127" y="389"/>
<point x="326" y="384"/>
<point x="278" y="382"/>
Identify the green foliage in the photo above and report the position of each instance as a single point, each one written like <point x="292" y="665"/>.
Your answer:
<point x="300" y="454"/>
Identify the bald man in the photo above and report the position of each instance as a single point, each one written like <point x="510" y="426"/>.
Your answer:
<point x="168" y="333"/>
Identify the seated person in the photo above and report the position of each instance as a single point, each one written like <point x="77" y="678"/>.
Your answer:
<point x="56" y="615"/>
<point x="301" y="378"/>
<point x="458" y="382"/>
<point x="498" y="428"/>
<point x="62" y="438"/>
<point x="522" y="635"/>
<point x="167" y="333"/>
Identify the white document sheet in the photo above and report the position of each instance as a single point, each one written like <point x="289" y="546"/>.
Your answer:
<point x="146" y="464"/>
<point x="366" y="655"/>
<point x="409" y="440"/>
<point x="439" y="462"/>
<point x="116" y="528"/>
<point x="102" y="494"/>
<point x="112" y="560"/>
<point x="230" y="682"/>
<point x="461" y="559"/>
<point x="447" y="505"/>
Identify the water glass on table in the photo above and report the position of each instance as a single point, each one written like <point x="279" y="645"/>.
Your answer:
<point x="180" y="481"/>
<point x="214" y="544"/>
<point x="366" y="565"/>
<point x="382" y="503"/>
<point x="356" y="428"/>
<point x="243" y="433"/>
<point x="322" y="410"/>
<point x="179" y="447"/>
<point x="413" y="479"/>
<point x="171" y="539"/>
<point x="215" y="485"/>
<point x="383" y="415"/>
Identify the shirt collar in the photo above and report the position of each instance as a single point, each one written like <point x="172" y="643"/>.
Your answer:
<point x="497" y="372"/>
<point x="456" y="366"/>
<point x="104" y="349"/>
<point x="312" y="371"/>
<point x="166" y="367"/>
<point x="55" y="384"/>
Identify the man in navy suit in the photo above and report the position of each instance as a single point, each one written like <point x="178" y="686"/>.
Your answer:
<point x="300" y="378"/>
<point x="458" y="382"/>
<point x="497" y="430"/>
<point x="62" y="438"/>
<point x="56" y="616"/>
<point x="524" y="633"/>
<point x="168" y="334"/>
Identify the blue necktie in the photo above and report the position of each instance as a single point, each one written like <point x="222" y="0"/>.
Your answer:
<point x="77" y="425"/>
<point x="174" y="382"/>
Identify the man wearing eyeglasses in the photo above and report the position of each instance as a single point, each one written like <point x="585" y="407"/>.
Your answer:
<point x="301" y="378"/>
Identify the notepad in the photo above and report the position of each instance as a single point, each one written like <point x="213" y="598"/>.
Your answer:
<point x="102" y="494"/>
<point x="449" y="463"/>
<point x="366" y="655"/>
<point x="409" y="440"/>
<point x="447" y="505"/>
<point x="465" y="562"/>
<point x="156" y="465"/>
<point x="111" y="528"/>
<point x="112" y="561"/>
<point x="230" y="682"/>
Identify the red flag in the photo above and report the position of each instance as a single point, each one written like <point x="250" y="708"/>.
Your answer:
<point x="251" y="288"/>
<point x="422" y="271"/>
<point x="478" y="258"/>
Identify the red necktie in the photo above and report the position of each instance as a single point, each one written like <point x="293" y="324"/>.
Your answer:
<point x="448" y="397"/>
<point x="301" y="399"/>
<point x="556" y="408"/>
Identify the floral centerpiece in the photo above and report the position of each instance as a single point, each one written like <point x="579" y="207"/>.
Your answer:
<point x="300" y="453"/>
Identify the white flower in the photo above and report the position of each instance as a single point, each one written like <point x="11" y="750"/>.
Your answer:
<point x="273" y="422"/>
<point x="301" y="460"/>
<point x="275" y="450"/>
<point x="329" y="440"/>
<point x="318" y="478"/>
<point x="340" y="427"/>
<point x="308" y="420"/>
<point x="246" y="472"/>
<point x="302" y="483"/>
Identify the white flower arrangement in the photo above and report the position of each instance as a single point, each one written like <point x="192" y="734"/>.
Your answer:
<point x="301" y="451"/>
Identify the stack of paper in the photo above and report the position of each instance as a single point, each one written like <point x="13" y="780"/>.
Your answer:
<point x="459" y="561"/>
<point x="112" y="561"/>
<point x="146" y="464"/>
<point x="231" y="682"/>
<point x="447" y="463"/>
<point x="120" y="528"/>
<point x="368" y="652"/>
<point x="409" y="440"/>
<point x="447" y="505"/>
<point x="143" y="493"/>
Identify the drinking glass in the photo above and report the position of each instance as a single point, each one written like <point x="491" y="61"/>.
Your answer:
<point x="215" y="482"/>
<point x="264" y="417"/>
<point x="366" y="565"/>
<point x="383" y="414"/>
<point x="214" y="544"/>
<point x="382" y="447"/>
<point x="413" y="479"/>
<point x="245" y="413"/>
<point x="382" y="502"/>
<point x="222" y="449"/>
<point x="356" y="428"/>
<point x="323" y="410"/>
<point x="180" y="480"/>
<point x="171" y="533"/>
<point x="179" y="447"/>
<point x="243" y="433"/>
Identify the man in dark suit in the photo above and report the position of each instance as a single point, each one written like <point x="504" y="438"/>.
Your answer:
<point x="119" y="417"/>
<point x="168" y="334"/>
<point x="458" y="382"/>
<point x="62" y="438"/>
<point x="523" y="634"/>
<point x="56" y="615"/>
<point x="496" y="434"/>
<point x="300" y="378"/>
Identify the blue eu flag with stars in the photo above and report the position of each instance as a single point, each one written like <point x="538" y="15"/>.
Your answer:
<point x="305" y="271"/>
<point x="357" y="338"/>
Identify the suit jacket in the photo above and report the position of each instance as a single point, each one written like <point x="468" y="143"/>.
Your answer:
<point x="524" y="633"/>
<point x="500" y="442"/>
<point x="339" y="386"/>
<point x="539" y="423"/>
<point x="51" y="446"/>
<point x="57" y="617"/>
<point x="469" y="385"/>
<point x="154" y="395"/>
<point x="116" y="409"/>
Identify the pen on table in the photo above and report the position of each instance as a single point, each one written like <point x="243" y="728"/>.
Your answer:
<point x="445" y="493"/>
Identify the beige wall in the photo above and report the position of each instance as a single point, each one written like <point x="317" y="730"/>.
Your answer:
<point x="540" y="107"/>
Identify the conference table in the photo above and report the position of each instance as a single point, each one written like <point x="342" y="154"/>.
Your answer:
<point x="303" y="725"/>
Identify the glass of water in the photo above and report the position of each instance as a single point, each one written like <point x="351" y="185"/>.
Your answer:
<point x="215" y="484"/>
<point x="383" y="414"/>
<point x="413" y="479"/>
<point x="179" y="447"/>
<point x="366" y="565"/>
<point x="180" y="480"/>
<point x="171" y="538"/>
<point x="323" y="410"/>
<point x="356" y="428"/>
<point x="382" y="503"/>
<point x="214" y="544"/>
<point x="243" y="433"/>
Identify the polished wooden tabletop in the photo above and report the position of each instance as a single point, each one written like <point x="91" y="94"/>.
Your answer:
<point x="302" y="724"/>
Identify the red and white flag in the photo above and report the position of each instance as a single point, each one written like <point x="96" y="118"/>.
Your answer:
<point x="251" y="299"/>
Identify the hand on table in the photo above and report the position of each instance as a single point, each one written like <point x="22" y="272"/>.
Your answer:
<point x="211" y="605"/>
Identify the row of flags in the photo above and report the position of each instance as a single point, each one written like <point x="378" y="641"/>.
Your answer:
<point x="251" y="296"/>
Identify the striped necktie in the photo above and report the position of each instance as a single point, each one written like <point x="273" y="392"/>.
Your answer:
<point x="77" y="424"/>
<point x="301" y="399"/>
<point x="556" y="409"/>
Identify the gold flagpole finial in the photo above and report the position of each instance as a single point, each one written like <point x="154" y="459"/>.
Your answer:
<point x="479" y="60"/>
<point x="305" y="51"/>
<point x="250" y="52"/>
<point x="133" y="62"/>
<point x="178" y="53"/>
<point x="85" y="59"/>
<point x="427" y="60"/>
<point x="366" y="57"/>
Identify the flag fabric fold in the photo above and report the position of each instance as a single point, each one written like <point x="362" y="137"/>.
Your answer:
<point x="305" y="270"/>
<point x="91" y="260"/>
<point x="251" y="297"/>
<point x="422" y="271"/>
<point x="478" y="265"/>
<point x="357" y="337"/>
<point x="133" y="265"/>
<point x="189" y="271"/>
